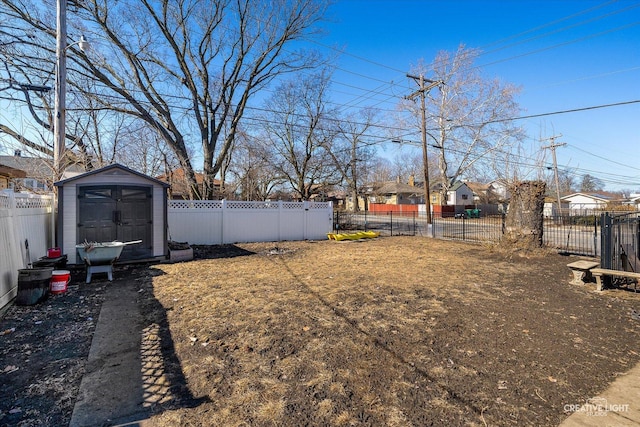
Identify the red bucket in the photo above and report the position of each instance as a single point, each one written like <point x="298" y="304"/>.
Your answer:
<point x="59" y="281"/>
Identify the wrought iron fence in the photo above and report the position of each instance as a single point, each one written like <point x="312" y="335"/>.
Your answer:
<point x="387" y="223"/>
<point x="620" y="241"/>
<point x="469" y="226"/>
<point x="570" y="234"/>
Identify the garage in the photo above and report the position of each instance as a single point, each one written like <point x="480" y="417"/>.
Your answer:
<point x="113" y="203"/>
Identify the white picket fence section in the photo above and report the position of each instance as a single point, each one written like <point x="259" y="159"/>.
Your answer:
<point x="24" y="219"/>
<point x="214" y="222"/>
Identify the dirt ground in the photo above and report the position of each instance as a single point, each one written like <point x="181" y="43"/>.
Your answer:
<point x="399" y="331"/>
<point x="43" y="351"/>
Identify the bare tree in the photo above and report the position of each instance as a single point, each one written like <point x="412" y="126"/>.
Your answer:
<point x="297" y="127"/>
<point x="350" y="150"/>
<point x="470" y="115"/>
<point x="187" y="68"/>
<point x="591" y="183"/>
<point x="251" y="169"/>
<point x="379" y="170"/>
<point x="407" y="164"/>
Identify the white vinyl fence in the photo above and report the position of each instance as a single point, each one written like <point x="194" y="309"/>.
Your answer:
<point x="214" y="222"/>
<point x="25" y="219"/>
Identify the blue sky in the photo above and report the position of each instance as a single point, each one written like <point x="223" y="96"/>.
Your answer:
<point x="564" y="54"/>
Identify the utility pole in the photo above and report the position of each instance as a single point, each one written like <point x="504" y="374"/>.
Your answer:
<point x="422" y="92"/>
<point x="553" y="147"/>
<point x="61" y="82"/>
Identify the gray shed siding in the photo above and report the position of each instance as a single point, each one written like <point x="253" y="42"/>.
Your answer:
<point x="68" y="199"/>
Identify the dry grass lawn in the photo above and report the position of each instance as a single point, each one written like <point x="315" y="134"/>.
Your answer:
<point x="401" y="331"/>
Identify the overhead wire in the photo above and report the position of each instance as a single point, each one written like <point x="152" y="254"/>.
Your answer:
<point x="378" y="90"/>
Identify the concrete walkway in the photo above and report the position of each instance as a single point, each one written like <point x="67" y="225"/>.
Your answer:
<point x="111" y="391"/>
<point x="619" y="405"/>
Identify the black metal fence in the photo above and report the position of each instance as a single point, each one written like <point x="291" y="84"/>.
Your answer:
<point x="620" y="241"/>
<point x="478" y="228"/>
<point x="389" y="223"/>
<point x="571" y="234"/>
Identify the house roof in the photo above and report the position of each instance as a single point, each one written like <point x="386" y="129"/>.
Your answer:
<point x="178" y="181"/>
<point x="595" y="196"/>
<point x="107" y="168"/>
<point x="394" y="187"/>
<point x="178" y="174"/>
<point x="457" y="185"/>
<point x="10" y="172"/>
<point x="477" y="187"/>
<point x="34" y="167"/>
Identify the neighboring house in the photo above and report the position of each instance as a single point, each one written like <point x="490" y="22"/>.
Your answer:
<point x="8" y="175"/>
<point x="550" y="208"/>
<point x="396" y="193"/>
<point x="333" y="196"/>
<point x="38" y="173"/>
<point x="481" y="192"/>
<point x="499" y="190"/>
<point x="633" y="200"/>
<point x="388" y="193"/>
<point x="459" y="194"/>
<point x="178" y="185"/>
<point x="586" y="203"/>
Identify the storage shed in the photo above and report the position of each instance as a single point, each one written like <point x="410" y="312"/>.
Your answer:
<point x="113" y="203"/>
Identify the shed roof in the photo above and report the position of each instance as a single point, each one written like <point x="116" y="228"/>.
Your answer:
<point x="108" y="168"/>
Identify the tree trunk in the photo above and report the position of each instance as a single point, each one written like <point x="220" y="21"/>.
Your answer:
<point x="524" y="220"/>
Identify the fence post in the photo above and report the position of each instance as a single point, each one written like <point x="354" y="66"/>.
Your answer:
<point x="222" y="220"/>
<point x="595" y="235"/>
<point x="305" y="212"/>
<point x="606" y="246"/>
<point x="464" y="218"/>
<point x="414" y="223"/>
<point x="391" y="216"/>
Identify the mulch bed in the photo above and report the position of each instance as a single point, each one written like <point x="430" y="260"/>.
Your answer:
<point x="43" y="352"/>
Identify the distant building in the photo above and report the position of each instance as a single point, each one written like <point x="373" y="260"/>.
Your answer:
<point x="179" y="189"/>
<point x="586" y="203"/>
<point x="38" y="173"/>
<point x="8" y="175"/>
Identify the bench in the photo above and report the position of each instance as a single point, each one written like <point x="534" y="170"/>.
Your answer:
<point x="581" y="271"/>
<point x="599" y="272"/>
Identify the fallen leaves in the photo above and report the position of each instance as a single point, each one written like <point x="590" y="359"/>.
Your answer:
<point x="9" y="368"/>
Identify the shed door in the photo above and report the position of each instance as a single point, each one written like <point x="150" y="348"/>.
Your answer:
<point x="114" y="212"/>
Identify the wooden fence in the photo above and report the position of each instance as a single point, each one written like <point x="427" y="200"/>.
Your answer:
<point x="214" y="222"/>
<point x="25" y="236"/>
